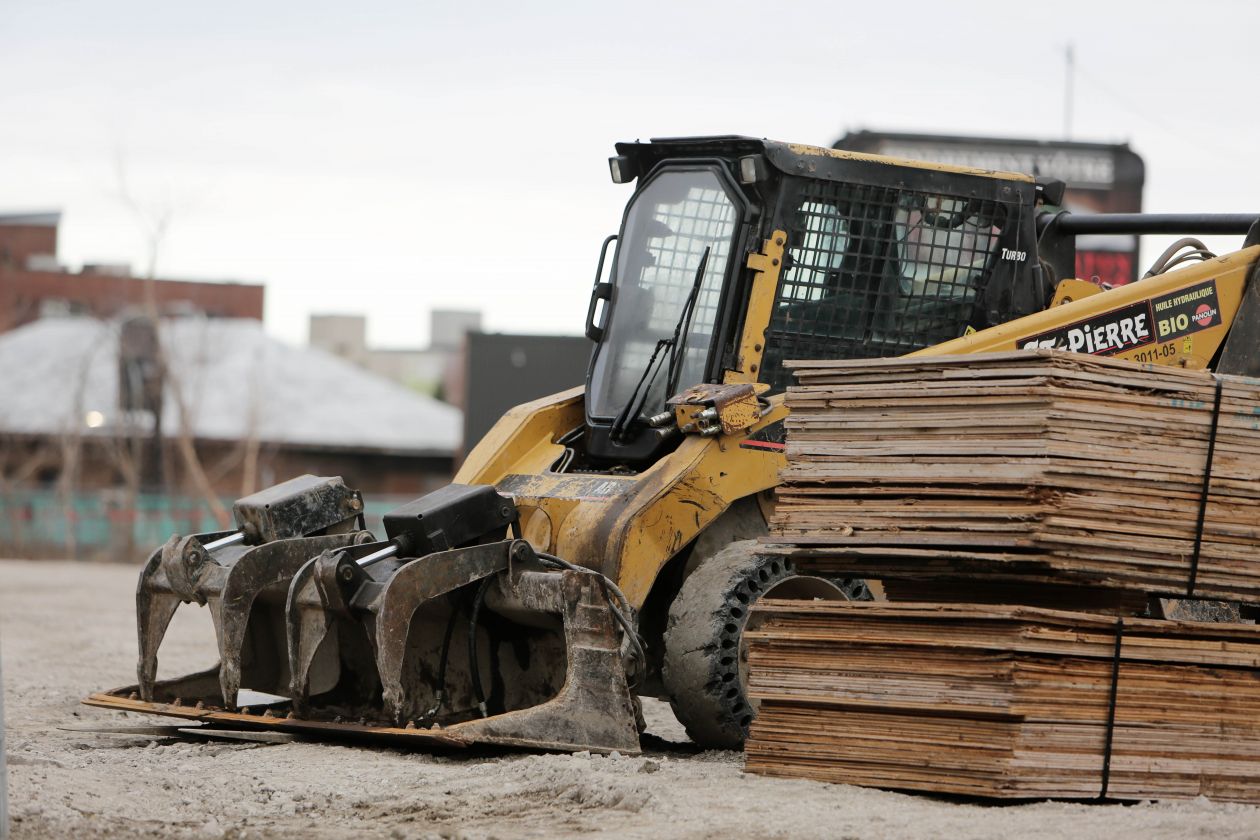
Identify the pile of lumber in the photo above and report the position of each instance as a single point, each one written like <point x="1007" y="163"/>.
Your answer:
<point x="1034" y="468"/>
<point x="1006" y="702"/>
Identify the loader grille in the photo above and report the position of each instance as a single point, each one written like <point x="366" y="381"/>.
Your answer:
<point x="875" y="271"/>
<point x="705" y="218"/>
<point x="677" y="217"/>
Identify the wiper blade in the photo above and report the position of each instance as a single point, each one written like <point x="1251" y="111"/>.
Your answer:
<point x="629" y="409"/>
<point x="677" y="346"/>
<point x="682" y="329"/>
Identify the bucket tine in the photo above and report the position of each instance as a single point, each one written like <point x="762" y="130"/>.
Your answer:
<point x="168" y="579"/>
<point x="593" y="710"/>
<point x="308" y="623"/>
<point x="323" y="623"/>
<point x="240" y="574"/>
<point x="263" y="572"/>
<point x="415" y="583"/>
<point x="157" y="610"/>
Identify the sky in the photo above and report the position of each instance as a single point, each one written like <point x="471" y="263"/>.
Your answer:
<point x="387" y="157"/>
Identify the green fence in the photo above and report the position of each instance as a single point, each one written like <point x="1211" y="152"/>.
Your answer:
<point x="110" y="524"/>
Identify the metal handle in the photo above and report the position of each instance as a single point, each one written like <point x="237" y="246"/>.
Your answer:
<point x="602" y="291"/>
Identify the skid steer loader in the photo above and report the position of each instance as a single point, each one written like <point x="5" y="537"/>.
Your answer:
<point x="599" y="544"/>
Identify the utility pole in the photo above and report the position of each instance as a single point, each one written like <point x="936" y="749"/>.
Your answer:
<point x="1069" y="55"/>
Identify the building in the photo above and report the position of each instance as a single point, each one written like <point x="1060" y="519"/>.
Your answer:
<point x="124" y="434"/>
<point x="482" y="373"/>
<point x="502" y="371"/>
<point x="428" y="370"/>
<point x="33" y="283"/>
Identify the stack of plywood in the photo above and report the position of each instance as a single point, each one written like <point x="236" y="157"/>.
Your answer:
<point x="1010" y="702"/>
<point x="1034" y="468"/>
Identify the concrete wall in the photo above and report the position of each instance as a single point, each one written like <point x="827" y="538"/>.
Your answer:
<point x="447" y="327"/>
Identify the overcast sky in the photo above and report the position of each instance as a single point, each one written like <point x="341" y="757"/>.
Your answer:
<point x="386" y="157"/>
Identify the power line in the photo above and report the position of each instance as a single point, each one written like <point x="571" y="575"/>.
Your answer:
<point x="1164" y="125"/>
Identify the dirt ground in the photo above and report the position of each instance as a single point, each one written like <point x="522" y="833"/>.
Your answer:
<point x="69" y="628"/>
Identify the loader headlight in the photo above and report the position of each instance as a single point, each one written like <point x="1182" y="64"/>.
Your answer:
<point x="752" y="169"/>
<point x="623" y="169"/>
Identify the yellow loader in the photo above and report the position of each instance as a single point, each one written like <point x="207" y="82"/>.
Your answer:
<point x="600" y="544"/>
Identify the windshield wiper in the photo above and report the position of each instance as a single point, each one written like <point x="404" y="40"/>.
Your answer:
<point x="682" y="330"/>
<point x="677" y="345"/>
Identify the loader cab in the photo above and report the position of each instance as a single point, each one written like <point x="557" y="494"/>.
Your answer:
<point x="881" y="257"/>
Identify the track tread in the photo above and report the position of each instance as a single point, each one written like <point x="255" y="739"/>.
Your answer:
<point x="706" y="620"/>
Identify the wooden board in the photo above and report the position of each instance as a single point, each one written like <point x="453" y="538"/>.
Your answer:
<point x="1004" y="702"/>
<point x="1041" y="467"/>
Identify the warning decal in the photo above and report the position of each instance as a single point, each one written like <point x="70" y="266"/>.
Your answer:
<point x="770" y="438"/>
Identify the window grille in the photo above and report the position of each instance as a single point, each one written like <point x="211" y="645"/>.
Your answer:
<point x="877" y="271"/>
<point x="682" y="215"/>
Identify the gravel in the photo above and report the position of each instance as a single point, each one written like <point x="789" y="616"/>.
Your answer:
<point x="67" y="629"/>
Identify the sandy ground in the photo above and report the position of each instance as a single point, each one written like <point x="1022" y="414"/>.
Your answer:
<point x="68" y="628"/>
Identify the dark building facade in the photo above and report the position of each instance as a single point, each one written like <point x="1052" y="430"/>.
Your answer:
<point x="502" y="371"/>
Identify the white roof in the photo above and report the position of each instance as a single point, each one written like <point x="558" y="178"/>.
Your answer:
<point x="236" y="382"/>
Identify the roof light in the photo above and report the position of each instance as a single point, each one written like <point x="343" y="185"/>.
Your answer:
<point x="752" y="169"/>
<point x="622" y="168"/>
<point x="94" y="419"/>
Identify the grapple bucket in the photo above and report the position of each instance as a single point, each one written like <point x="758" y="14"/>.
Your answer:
<point x="479" y="640"/>
<point x="243" y="577"/>
<point x="449" y="632"/>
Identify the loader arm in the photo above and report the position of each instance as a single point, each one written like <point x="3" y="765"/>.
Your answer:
<point x="628" y="526"/>
<point x="1179" y="318"/>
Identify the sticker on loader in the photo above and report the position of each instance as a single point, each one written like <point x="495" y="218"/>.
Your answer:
<point x="1113" y="332"/>
<point x="1187" y="311"/>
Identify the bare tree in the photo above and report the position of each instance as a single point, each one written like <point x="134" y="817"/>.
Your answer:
<point x="71" y="440"/>
<point x="155" y="219"/>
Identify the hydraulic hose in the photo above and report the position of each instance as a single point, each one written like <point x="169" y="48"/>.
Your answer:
<point x="618" y="604"/>
<point x="473" y="668"/>
<point x="1165" y="260"/>
<point x="439" y="696"/>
